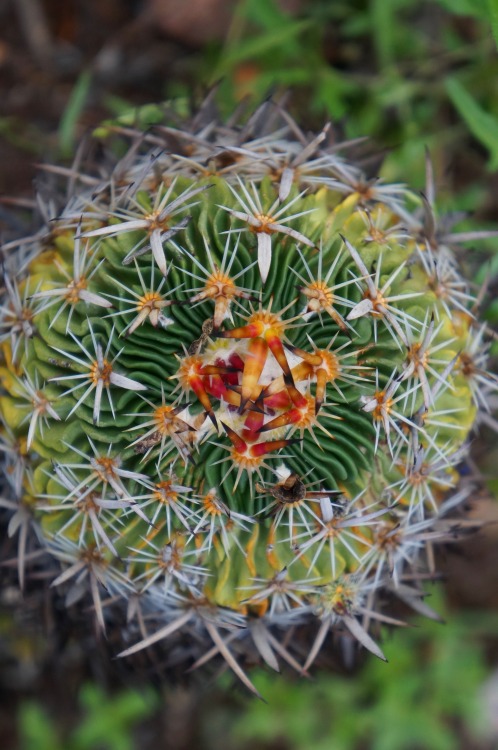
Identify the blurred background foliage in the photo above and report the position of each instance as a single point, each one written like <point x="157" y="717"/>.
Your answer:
<point x="410" y="74"/>
<point x="435" y="693"/>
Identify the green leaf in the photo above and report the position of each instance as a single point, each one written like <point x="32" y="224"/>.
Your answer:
<point x="140" y="118"/>
<point x="110" y="719"/>
<point x="266" y="14"/>
<point x="72" y="113"/>
<point x="475" y="8"/>
<point x="36" y="729"/>
<point x="493" y="17"/>
<point x="331" y="91"/>
<point x="382" y="14"/>
<point x="482" y="125"/>
<point x="255" y="46"/>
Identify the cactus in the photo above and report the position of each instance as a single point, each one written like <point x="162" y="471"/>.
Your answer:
<point x="238" y="379"/>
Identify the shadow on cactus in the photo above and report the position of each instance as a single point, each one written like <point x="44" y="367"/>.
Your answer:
<point x="238" y="380"/>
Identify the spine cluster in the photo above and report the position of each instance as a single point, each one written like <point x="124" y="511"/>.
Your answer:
<point x="238" y="379"/>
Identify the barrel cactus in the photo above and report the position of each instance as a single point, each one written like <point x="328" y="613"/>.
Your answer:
<point x="238" y="379"/>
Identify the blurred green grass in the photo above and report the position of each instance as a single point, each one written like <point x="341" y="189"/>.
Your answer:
<point x="400" y="71"/>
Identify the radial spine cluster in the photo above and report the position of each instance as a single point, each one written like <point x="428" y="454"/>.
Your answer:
<point x="237" y="382"/>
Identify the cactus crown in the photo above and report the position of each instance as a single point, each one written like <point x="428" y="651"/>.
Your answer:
<point x="238" y="379"/>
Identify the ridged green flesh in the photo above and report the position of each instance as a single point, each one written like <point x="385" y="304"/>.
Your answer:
<point x="343" y="459"/>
